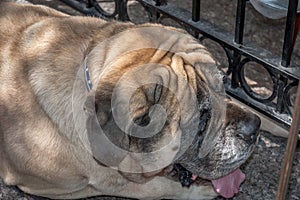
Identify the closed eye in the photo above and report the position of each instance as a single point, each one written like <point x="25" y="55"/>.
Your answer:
<point x="157" y="92"/>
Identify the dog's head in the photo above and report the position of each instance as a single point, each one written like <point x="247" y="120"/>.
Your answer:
<point x="164" y="104"/>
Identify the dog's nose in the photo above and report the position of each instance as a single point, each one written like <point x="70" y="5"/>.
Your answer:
<point x="248" y="129"/>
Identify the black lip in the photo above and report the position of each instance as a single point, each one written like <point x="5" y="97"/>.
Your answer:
<point x="184" y="175"/>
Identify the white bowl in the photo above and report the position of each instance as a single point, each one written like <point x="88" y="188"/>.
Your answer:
<point x="273" y="9"/>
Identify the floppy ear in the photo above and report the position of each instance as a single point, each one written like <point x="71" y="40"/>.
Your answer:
<point x="104" y="134"/>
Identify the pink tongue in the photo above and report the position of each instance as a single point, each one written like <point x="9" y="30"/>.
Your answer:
<point x="229" y="185"/>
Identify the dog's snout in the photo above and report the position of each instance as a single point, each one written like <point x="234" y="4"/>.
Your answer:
<point x="249" y="128"/>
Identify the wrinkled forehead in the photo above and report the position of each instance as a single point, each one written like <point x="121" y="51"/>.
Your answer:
<point x="184" y="51"/>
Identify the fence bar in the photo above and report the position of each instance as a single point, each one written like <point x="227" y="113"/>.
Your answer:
<point x="122" y="10"/>
<point x="160" y="2"/>
<point x="240" y="21"/>
<point x="290" y="150"/>
<point x="86" y="8"/>
<point x="196" y="10"/>
<point x="289" y="33"/>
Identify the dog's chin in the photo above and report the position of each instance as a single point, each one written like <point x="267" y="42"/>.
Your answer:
<point x="220" y="168"/>
<point x="228" y="154"/>
<point x="225" y="177"/>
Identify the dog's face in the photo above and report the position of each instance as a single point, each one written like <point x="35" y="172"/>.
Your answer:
<point x="233" y="143"/>
<point x="172" y="111"/>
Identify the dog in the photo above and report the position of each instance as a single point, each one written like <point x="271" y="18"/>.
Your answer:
<point x="90" y="107"/>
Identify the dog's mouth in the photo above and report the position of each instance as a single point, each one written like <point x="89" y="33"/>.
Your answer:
<point x="226" y="186"/>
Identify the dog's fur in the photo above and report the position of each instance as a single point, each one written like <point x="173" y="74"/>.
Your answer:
<point x="40" y="150"/>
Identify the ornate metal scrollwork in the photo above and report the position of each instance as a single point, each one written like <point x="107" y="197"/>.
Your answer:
<point x="247" y="88"/>
<point x="93" y="8"/>
<point x="290" y="96"/>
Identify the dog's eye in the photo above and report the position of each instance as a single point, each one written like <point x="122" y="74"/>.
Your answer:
<point x="142" y="120"/>
<point x="157" y="92"/>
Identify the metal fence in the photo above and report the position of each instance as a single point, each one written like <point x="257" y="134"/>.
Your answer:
<point x="278" y="105"/>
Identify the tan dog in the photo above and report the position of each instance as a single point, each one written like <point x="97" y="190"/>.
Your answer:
<point x="89" y="107"/>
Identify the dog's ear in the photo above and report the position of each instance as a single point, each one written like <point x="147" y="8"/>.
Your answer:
<point x="106" y="144"/>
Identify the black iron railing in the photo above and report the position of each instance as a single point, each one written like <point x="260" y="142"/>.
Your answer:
<point x="278" y="105"/>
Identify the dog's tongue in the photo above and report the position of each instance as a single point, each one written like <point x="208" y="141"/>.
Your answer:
<point x="228" y="185"/>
